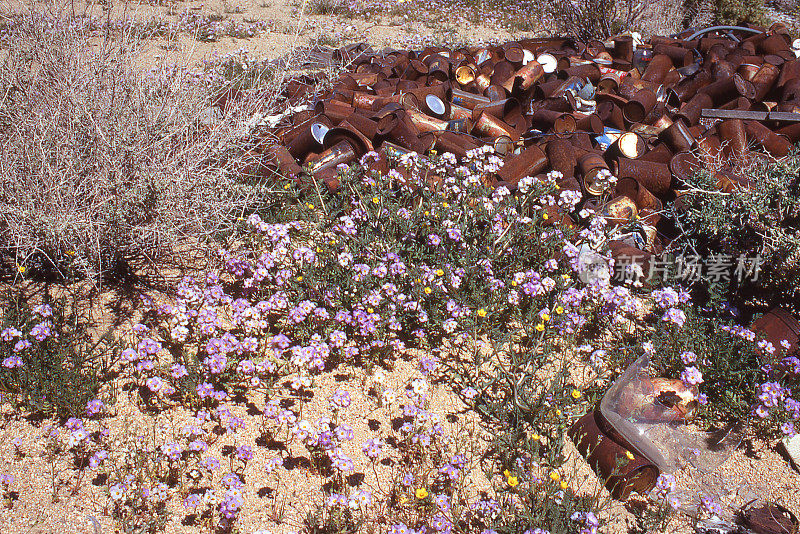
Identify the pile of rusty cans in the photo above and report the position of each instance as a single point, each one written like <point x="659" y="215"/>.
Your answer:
<point x="649" y="114"/>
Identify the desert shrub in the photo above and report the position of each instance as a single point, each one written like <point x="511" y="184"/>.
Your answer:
<point x="738" y="11"/>
<point x="106" y="166"/>
<point x="760" y="223"/>
<point x="50" y="364"/>
<point x="327" y="7"/>
<point x="593" y="19"/>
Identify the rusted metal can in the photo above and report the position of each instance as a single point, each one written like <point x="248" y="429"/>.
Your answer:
<point x="280" y="157"/>
<point x="310" y="137"/>
<point x="690" y="112"/>
<point x="610" y="460"/>
<point x="732" y="134"/>
<point x="527" y="76"/>
<point x="546" y="119"/>
<point x="623" y="47"/>
<point x="465" y="74"/>
<point x="335" y="111"/>
<point x="773" y="143"/>
<point x="620" y="210"/>
<point x="776" y="326"/>
<point x="656" y="177"/>
<point x="644" y="199"/>
<point x="678" y="137"/>
<point x="640" y="105"/>
<point x="561" y="156"/>
<point x="490" y="126"/>
<point x="341" y="152"/>
<point x="628" y="145"/>
<point x="592" y="165"/>
<point x="467" y="100"/>
<point x="657" y="69"/>
<point x="529" y="162"/>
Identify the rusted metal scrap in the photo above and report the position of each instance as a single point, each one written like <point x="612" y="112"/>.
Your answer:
<point x="652" y="114"/>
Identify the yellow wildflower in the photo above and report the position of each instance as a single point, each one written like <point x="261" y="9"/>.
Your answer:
<point x="540" y="327"/>
<point x="512" y="481"/>
<point x="375" y="200"/>
<point x="535" y="437"/>
<point x="545" y="317"/>
<point x="506" y="473"/>
<point x="559" y="310"/>
<point x="439" y="272"/>
<point x="428" y="290"/>
<point x="481" y="313"/>
<point x="300" y="278"/>
<point x="564" y="484"/>
<point x="554" y="476"/>
<point x="21" y="269"/>
<point x="421" y="493"/>
<point x="545" y="216"/>
<point x="629" y="455"/>
<point x="370" y="310"/>
<point x="576" y="394"/>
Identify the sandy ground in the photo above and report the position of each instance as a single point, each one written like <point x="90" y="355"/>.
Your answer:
<point x="291" y="24"/>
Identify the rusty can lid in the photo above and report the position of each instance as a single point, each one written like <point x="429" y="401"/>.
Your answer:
<point x="465" y="74"/>
<point x="683" y="165"/>
<point x="527" y="56"/>
<point x="548" y="62"/>
<point x="503" y="145"/>
<point x="514" y="54"/>
<point x="435" y="104"/>
<point x="318" y="132"/>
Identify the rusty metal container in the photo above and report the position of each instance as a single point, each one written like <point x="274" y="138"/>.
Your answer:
<point x="609" y="460"/>
<point x="592" y="165"/>
<point x="341" y="152"/>
<point x="524" y="78"/>
<point x="776" y="326"/>
<point x="773" y="143"/>
<point x="732" y="134"/>
<point x="639" y="106"/>
<point x="561" y="156"/>
<point x="529" y="162"/>
<point x="678" y="137"/>
<point x="656" y="177"/>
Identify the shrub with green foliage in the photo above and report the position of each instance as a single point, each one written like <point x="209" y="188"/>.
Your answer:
<point x="760" y="222"/>
<point x="740" y="11"/>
